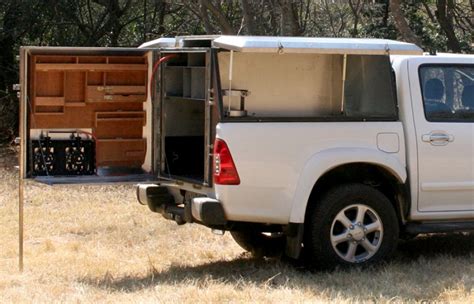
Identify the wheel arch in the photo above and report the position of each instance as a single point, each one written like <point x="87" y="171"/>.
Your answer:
<point x="336" y="166"/>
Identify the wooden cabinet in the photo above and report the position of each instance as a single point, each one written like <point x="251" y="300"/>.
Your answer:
<point x="101" y="93"/>
<point x="64" y="81"/>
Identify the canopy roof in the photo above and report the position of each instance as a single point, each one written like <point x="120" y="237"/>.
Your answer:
<point x="362" y="46"/>
<point x="163" y="42"/>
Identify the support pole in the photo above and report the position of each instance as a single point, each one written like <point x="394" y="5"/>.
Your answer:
<point x="20" y="223"/>
<point x="344" y="68"/>
<point x="21" y="156"/>
<point x="231" y="65"/>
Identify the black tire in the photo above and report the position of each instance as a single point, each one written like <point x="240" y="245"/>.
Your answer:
<point x="321" y="224"/>
<point x="259" y="244"/>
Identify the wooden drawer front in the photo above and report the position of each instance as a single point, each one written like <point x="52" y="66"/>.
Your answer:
<point x="119" y="128"/>
<point x="121" y="152"/>
<point x="116" y="93"/>
<point x="119" y="124"/>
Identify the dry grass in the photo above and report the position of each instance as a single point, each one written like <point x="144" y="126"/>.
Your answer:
<point x="96" y="244"/>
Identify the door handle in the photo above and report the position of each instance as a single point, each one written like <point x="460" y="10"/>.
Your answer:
<point x="437" y="138"/>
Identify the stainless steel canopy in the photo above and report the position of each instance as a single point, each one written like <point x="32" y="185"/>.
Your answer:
<point x="316" y="45"/>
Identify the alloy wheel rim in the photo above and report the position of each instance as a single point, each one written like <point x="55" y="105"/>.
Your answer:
<point x="356" y="233"/>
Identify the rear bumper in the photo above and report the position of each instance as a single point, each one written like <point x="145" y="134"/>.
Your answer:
<point x="166" y="201"/>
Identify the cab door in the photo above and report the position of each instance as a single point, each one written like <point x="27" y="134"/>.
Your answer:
<point x="442" y="91"/>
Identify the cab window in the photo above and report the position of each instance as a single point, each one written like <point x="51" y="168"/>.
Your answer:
<point x="448" y="92"/>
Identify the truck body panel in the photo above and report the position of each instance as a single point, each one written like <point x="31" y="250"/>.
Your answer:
<point x="280" y="163"/>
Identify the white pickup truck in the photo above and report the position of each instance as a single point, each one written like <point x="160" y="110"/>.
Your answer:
<point x="334" y="148"/>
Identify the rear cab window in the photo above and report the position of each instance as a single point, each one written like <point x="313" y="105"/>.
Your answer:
<point x="448" y="92"/>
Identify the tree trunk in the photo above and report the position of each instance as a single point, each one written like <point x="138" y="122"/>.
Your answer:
<point x="203" y="14"/>
<point x="161" y="18"/>
<point x="113" y="23"/>
<point x="289" y="19"/>
<point x="356" y="9"/>
<point x="221" y="19"/>
<point x="402" y="24"/>
<point x="444" y="14"/>
<point x="249" y="18"/>
<point x="386" y="11"/>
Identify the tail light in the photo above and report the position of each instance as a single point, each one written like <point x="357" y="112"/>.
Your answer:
<point x="225" y="172"/>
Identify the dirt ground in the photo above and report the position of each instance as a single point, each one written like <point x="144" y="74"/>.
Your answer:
<point x="87" y="244"/>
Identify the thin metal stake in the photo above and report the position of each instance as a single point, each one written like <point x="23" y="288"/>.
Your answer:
<point x="344" y="69"/>
<point x="21" y="158"/>
<point x="231" y="64"/>
<point x="20" y="223"/>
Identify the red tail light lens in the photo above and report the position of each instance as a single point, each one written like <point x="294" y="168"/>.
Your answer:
<point x="225" y="172"/>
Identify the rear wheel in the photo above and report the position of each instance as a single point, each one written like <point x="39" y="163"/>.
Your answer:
<point x="351" y="224"/>
<point x="260" y="244"/>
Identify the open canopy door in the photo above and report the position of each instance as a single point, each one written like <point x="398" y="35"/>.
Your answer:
<point x="86" y="114"/>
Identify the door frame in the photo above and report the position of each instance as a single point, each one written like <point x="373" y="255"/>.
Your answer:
<point x="418" y="113"/>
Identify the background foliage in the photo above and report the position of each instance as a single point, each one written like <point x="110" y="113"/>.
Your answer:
<point x="442" y="25"/>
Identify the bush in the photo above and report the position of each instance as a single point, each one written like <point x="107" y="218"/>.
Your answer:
<point x="8" y="118"/>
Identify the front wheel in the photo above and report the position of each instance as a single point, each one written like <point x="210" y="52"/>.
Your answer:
<point x="350" y="224"/>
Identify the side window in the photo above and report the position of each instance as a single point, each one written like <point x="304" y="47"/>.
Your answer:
<point x="448" y="92"/>
<point x="368" y="90"/>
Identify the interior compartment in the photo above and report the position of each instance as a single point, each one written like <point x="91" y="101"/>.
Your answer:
<point x="284" y="85"/>
<point x="183" y="117"/>
<point x="185" y="75"/>
<point x="74" y="94"/>
<point x="87" y="113"/>
<point x="307" y="86"/>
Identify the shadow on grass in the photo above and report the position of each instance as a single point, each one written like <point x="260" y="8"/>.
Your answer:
<point x="419" y="262"/>
<point x="429" y="246"/>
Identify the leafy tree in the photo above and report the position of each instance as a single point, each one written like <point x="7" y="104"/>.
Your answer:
<point x="443" y="25"/>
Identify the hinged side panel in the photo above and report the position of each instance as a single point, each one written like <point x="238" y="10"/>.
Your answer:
<point x="85" y="115"/>
<point x="184" y="116"/>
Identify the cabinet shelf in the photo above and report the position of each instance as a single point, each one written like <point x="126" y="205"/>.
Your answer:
<point x="116" y="93"/>
<point x="187" y="82"/>
<point x="49" y="101"/>
<point x="75" y="104"/>
<point x="90" y="67"/>
<point x="181" y="98"/>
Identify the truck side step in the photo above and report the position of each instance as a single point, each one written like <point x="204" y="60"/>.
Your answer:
<point x="439" y="227"/>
